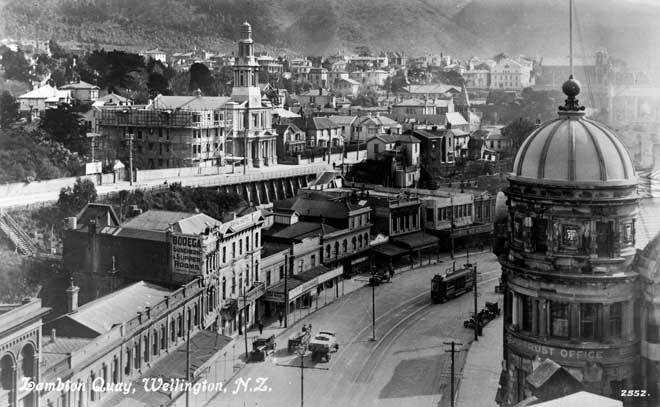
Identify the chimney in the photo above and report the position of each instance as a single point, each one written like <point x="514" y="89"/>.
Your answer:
<point x="320" y="91"/>
<point x="448" y="126"/>
<point x="52" y="335"/>
<point x="72" y="298"/>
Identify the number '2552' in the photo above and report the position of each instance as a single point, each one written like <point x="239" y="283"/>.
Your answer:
<point x="633" y="393"/>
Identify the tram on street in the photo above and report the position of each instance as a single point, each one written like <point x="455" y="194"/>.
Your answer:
<point x="452" y="284"/>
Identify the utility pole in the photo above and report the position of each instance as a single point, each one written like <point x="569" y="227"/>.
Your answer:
<point x="373" y="311"/>
<point x="453" y="351"/>
<point x="130" y="158"/>
<point x="302" y="378"/>
<point x="286" y="290"/>
<point x="476" y="319"/>
<point x="245" y="325"/>
<point x="187" y="363"/>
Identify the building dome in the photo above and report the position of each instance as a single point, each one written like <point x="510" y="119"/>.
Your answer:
<point x="572" y="149"/>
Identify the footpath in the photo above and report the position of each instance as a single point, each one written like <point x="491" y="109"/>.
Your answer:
<point x="481" y="371"/>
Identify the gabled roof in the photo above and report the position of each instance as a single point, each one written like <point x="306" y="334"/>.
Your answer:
<point x="113" y="97"/>
<point x="393" y="138"/>
<point x="316" y="123"/>
<point x="79" y="85"/>
<point x="342" y="120"/>
<point x="348" y="80"/>
<point x="281" y="128"/>
<point x="103" y="214"/>
<point x="188" y="102"/>
<point x="300" y="230"/>
<point x="429" y="102"/>
<point x="455" y="118"/>
<point x="46" y="92"/>
<point x="377" y="120"/>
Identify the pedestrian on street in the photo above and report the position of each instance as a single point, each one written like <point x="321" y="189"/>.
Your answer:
<point x="261" y="326"/>
<point x="279" y="316"/>
<point x="309" y="329"/>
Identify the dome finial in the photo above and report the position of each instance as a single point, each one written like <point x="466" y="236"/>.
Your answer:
<point x="571" y="89"/>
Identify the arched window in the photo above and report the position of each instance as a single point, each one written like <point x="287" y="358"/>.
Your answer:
<point x="336" y="248"/>
<point x="360" y="241"/>
<point x="27" y="361"/>
<point x="6" y="372"/>
<point x="345" y="246"/>
<point x="354" y="241"/>
<point x="327" y="251"/>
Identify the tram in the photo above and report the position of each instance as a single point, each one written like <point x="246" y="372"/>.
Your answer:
<point x="452" y="284"/>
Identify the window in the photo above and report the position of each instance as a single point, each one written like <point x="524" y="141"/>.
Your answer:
<point x="196" y="117"/>
<point x="313" y="260"/>
<point x="281" y="272"/>
<point x="240" y="247"/>
<point x="327" y="251"/>
<point x="224" y="254"/>
<point x="247" y="243"/>
<point x="527" y="312"/>
<point x="588" y="321"/>
<point x="628" y="233"/>
<point x="616" y="313"/>
<point x="233" y="250"/>
<point x="559" y="319"/>
<point x="344" y="246"/>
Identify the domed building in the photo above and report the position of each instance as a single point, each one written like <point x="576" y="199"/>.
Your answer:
<point x="571" y="285"/>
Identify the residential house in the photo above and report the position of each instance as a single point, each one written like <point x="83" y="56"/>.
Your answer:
<point x="290" y="139"/>
<point x="346" y="123"/>
<point x="82" y="91"/>
<point x="402" y="155"/>
<point x="300" y="67"/>
<point x="113" y="99"/>
<point x="346" y="87"/>
<point x="155" y="54"/>
<point x="321" y="132"/>
<point x="397" y="59"/>
<point x="318" y="77"/>
<point x="369" y="126"/>
<point x="334" y="75"/>
<point x="36" y="101"/>
<point x="315" y="98"/>
<point x="436" y="148"/>
<point x="270" y="65"/>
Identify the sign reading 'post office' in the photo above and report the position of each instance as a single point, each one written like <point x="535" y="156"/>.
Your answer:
<point x="187" y="254"/>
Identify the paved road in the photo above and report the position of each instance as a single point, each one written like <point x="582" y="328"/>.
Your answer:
<point x="405" y="365"/>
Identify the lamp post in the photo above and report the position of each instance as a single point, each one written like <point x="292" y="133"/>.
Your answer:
<point x="373" y="311"/>
<point x="301" y="350"/>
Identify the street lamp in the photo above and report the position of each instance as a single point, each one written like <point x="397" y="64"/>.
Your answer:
<point x="300" y="351"/>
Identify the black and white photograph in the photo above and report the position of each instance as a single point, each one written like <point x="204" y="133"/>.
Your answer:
<point x="329" y="203"/>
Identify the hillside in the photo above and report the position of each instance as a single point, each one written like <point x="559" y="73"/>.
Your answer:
<point x="627" y="28"/>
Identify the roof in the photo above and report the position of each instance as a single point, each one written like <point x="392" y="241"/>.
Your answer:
<point x="102" y="314"/>
<point x="378" y="120"/>
<point x="543" y="373"/>
<point x="182" y="222"/>
<point x="281" y="128"/>
<point x="300" y="230"/>
<point x="565" y="61"/>
<point x="348" y="80"/>
<point x="437" y="88"/>
<point x="204" y="345"/>
<point x="315" y="92"/>
<point x="573" y="149"/>
<point x="113" y="97"/>
<point x="103" y="214"/>
<point x="416" y="240"/>
<point x="54" y="352"/>
<point x="46" y="92"/>
<point x="342" y="120"/>
<point x="389" y="250"/>
<point x="456" y="119"/>
<point x="79" y="85"/>
<point x="284" y="113"/>
<point x="189" y="102"/>
<point x="582" y="399"/>
<point x="316" y="123"/>
<point x="428" y="102"/>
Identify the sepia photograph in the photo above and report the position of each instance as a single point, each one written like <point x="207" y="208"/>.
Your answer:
<point x="329" y="203"/>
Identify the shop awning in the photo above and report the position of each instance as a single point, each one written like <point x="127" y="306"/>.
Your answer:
<point x="416" y="241"/>
<point x="389" y="250"/>
<point x="301" y="283"/>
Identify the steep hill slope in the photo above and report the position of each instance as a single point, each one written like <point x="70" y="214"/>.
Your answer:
<point x="627" y="28"/>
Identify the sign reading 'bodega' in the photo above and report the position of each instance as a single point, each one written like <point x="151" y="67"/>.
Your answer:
<point x="187" y="254"/>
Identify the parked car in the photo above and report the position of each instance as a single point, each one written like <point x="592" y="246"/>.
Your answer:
<point x="322" y="344"/>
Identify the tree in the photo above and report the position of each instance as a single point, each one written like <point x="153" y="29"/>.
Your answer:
<point x="517" y="131"/>
<point x="72" y="200"/>
<point x="66" y="126"/>
<point x="8" y="110"/>
<point x="16" y="66"/>
<point x="157" y="83"/>
<point x="201" y="78"/>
